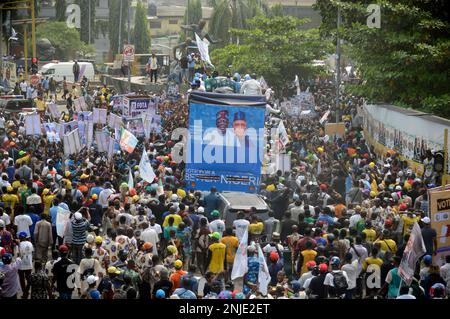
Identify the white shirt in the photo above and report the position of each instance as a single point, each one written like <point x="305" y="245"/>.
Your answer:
<point x="6" y="219"/>
<point x="304" y="278"/>
<point x="217" y="226"/>
<point x="241" y="226"/>
<point x="23" y="86"/>
<point x="329" y="278"/>
<point x="153" y="63"/>
<point x="307" y="282"/>
<point x="150" y="235"/>
<point x="406" y="297"/>
<point x="354" y="220"/>
<point x="352" y="273"/>
<point x="34" y="199"/>
<point x="26" y="254"/>
<point x="362" y="252"/>
<point x="445" y="273"/>
<point x="268" y="249"/>
<point x="157" y="228"/>
<point x="23" y="223"/>
<point x="103" y="197"/>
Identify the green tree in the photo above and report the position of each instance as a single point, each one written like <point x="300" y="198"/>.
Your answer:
<point x="115" y="25"/>
<point x="229" y="14"/>
<point x="60" y="7"/>
<point x="141" y="31"/>
<point x="85" y="17"/>
<point x="275" y="48"/>
<point x="65" y="40"/>
<point x="406" y="61"/>
<point x="193" y="12"/>
<point x="276" y="10"/>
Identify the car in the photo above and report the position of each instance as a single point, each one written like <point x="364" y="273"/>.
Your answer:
<point x="15" y="104"/>
<point x="232" y="202"/>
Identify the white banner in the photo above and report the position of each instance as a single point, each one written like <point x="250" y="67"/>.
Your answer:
<point x="203" y="49"/>
<point x="102" y="140"/>
<point x="114" y="121"/>
<point x="51" y="131"/>
<point x="415" y="248"/>
<point x="72" y="144"/>
<point x="145" y="169"/>
<point x="130" y="178"/>
<point x="283" y="138"/>
<point x="263" y="274"/>
<point x="33" y="124"/>
<point x="80" y="104"/>
<point x="99" y="115"/>
<point x="240" y="266"/>
<point x="62" y="217"/>
<point x="54" y="111"/>
<point x="111" y="145"/>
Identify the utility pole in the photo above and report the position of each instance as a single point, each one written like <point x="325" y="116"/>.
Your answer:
<point x="129" y="42"/>
<point x="25" y="49"/>
<point x="89" y="22"/>
<point x="120" y="28"/>
<point x="338" y="64"/>
<point x="1" y="37"/>
<point x="33" y="28"/>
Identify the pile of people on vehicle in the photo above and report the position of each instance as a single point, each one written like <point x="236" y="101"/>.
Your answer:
<point x="339" y="213"/>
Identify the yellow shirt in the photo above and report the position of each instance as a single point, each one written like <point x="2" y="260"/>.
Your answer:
<point x="176" y="220"/>
<point x="217" y="257"/>
<point x="231" y="243"/>
<point x="372" y="261"/>
<point x="16" y="184"/>
<point x="25" y="159"/>
<point x="181" y="193"/>
<point x="10" y="200"/>
<point x="408" y="223"/>
<point x="48" y="200"/>
<point x="256" y="229"/>
<point x="371" y="235"/>
<point x="387" y="245"/>
<point x="40" y="105"/>
<point x="308" y="255"/>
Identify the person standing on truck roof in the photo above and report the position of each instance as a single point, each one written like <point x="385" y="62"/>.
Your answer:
<point x="153" y="61"/>
<point x="76" y="71"/>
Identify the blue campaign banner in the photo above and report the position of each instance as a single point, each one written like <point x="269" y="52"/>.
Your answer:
<point x="225" y="147"/>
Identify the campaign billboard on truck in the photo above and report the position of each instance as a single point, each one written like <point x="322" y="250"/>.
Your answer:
<point x="225" y="145"/>
<point x="136" y="106"/>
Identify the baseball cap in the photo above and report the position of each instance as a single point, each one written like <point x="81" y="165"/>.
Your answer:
<point x="78" y="216"/>
<point x="160" y="294"/>
<point x="63" y="249"/>
<point x="174" y="197"/>
<point x="7" y="258"/>
<point x="23" y="234"/>
<point x="91" y="279"/>
<point x="147" y="246"/>
<point x="323" y="268"/>
<point x="335" y="261"/>
<point x="215" y="213"/>
<point x="427" y="259"/>
<point x="426" y="220"/>
<point x="178" y="263"/>
<point x="275" y="235"/>
<point x="273" y="256"/>
<point x="200" y="210"/>
<point x="295" y="285"/>
<point x="98" y="239"/>
<point x="215" y="235"/>
<point x="113" y="270"/>
<point x="311" y="264"/>
<point x="172" y="249"/>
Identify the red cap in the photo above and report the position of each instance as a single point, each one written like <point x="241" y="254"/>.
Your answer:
<point x="388" y="222"/>
<point x="403" y="207"/>
<point x="323" y="186"/>
<point x="63" y="249"/>
<point x="323" y="268"/>
<point x="311" y="264"/>
<point x="273" y="256"/>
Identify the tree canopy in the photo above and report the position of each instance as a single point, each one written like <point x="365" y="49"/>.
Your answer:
<point x="276" y="48"/>
<point x="141" y="30"/>
<point x="407" y="60"/>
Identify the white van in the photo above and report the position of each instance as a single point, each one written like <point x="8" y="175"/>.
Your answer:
<point x="59" y="70"/>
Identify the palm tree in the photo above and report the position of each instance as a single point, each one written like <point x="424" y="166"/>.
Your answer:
<point x="229" y="14"/>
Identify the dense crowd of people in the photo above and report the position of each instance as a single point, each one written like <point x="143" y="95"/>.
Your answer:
<point x="339" y="212"/>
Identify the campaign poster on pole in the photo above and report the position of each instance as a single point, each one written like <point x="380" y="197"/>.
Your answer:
<point x="51" y="130"/>
<point x="54" y="111"/>
<point x="152" y="123"/>
<point x="99" y="115"/>
<point x="67" y="127"/>
<point x="80" y="104"/>
<point x="415" y="248"/>
<point x="135" y="126"/>
<point x="102" y="140"/>
<point x="33" y="124"/>
<point x="335" y="129"/>
<point x="114" y="121"/>
<point x="72" y="143"/>
<point x="135" y="106"/>
<point x="439" y="207"/>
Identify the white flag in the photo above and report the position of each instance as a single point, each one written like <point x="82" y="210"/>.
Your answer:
<point x="240" y="266"/>
<point x="72" y="143"/>
<point x="145" y="169"/>
<point x="283" y="138"/>
<point x="130" y="179"/>
<point x="62" y="217"/>
<point x="203" y="49"/>
<point x="263" y="274"/>
<point x="415" y="249"/>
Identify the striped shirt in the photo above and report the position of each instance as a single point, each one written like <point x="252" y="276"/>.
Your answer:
<point x="79" y="229"/>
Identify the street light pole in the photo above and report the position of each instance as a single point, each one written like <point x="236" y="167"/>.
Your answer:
<point x="129" y="42"/>
<point x="89" y="22"/>
<point x="33" y="28"/>
<point x="120" y="28"/>
<point x="338" y="64"/>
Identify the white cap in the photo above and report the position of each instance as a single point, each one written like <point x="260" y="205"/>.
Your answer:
<point x="398" y="188"/>
<point x="91" y="279"/>
<point x="78" y="216"/>
<point x="200" y="210"/>
<point x="90" y="238"/>
<point x="251" y="249"/>
<point x="409" y="172"/>
<point x="174" y="197"/>
<point x="174" y="297"/>
<point x="426" y="220"/>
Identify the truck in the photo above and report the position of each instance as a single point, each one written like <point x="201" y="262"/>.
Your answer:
<point x="59" y="70"/>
